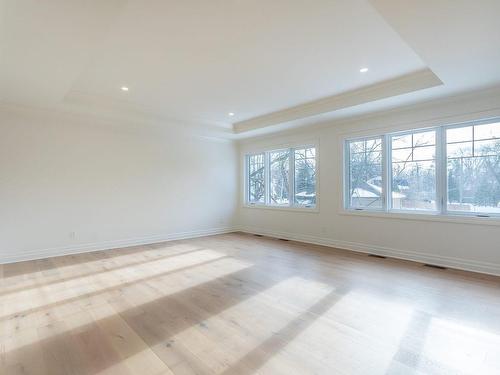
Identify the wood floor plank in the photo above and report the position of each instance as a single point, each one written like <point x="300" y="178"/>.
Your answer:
<point x="240" y="304"/>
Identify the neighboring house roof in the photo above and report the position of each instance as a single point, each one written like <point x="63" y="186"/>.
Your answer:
<point x="370" y="190"/>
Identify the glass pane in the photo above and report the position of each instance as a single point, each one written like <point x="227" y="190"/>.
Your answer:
<point x="373" y="145"/>
<point x="459" y="150"/>
<point x="414" y="186"/>
<point x="365" y="176"/>
<point x="424" y="153"/>
<point x="305" y="177"/>
<point x="474" y="184"/>
<point x="424" y="139"/>
<point x="459" y="134"/>
<point x="356" y="147"/>
<point x="278" y="174"/>
<point x="487" y="148"/>
<point x="414" y="172"/>
<point x="403" y="154"/>
<point x="401" y="141"/>
<point x="487" y="131"/>
<point x="256" y="178"/>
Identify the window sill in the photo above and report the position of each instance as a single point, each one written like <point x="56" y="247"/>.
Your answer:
<point x="420" y="216"/>
<point x="282" y="208"/>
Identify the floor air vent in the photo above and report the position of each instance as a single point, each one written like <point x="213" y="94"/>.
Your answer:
<point x="434" y="266"/>
<point x="377" y="256"/>
<point x="283" y="239"/>
<point x="258" y="235"/>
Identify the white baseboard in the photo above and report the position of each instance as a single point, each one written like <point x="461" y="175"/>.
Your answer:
<point x="438" y="260"/>
<point x="450" y="262"/>
<point x="107" y="245"/>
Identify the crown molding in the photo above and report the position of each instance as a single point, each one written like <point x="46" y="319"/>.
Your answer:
<point x="419" y="80"/>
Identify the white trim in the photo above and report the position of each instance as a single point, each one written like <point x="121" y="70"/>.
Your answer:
<point x="291" y="206"/>
<point x="20" y="256"/>
<point x="261" y="206"/>
<point x="450" y="262"/>
<point x="425" y="216"/>
<point x="422" y="79"/>
<point x="346" y="175"/>
<point x="441" y="182"/>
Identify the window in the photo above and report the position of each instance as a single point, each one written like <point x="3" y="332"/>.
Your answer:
<point x="282" y="178"/>
<point x="473" y="166"/>
<point x="448" y="169"/>
<point x="305" y="176"/>
<point x="365" y="174"/>
<point x="279" y="171"/>
<point x="256" y="178"/>
<point x="413" y="171"/>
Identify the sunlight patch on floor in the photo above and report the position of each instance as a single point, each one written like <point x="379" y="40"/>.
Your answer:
<point x="251" y="322"/>
<point x="82" y="264"/>
<point x="355" y="327"/>
<point x="33" y="298"/>
<point x="462" y="347"/>
<point x="79" y="313"/>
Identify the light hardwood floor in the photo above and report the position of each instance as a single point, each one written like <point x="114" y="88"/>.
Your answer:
<point x="241" y="304"/>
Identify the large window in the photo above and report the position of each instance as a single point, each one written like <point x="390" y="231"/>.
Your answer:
<point x="282" y="178"/>
<point x="256" y="178"/>
<point x="413" y="171"/>
<point x="305" y="176"/>
<point x="365" y="174"/>
<point x="473" y="163"/>
<point x="279" y="171"/>
<point x="448" y="169"/>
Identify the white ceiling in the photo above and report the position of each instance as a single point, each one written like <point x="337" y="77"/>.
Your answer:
<point x="197" y="60"/>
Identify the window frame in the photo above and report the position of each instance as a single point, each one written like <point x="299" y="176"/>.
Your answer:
<point x="347" y="173"/>
<point x="247" y="182"/>
<point x="389" y="173"/>
<point x="444" y="199"/>
<point x="441" y="160"/>
<point x="267" y="166"/>
<point x="291" y="205"/>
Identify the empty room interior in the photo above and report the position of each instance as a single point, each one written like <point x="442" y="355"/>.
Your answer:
<point x="241" y="187"/>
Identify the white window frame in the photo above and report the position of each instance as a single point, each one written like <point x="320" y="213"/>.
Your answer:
<point x="247" y="185"/>
<point x="388" y="169"/>
<point x="267" y="204"/>
<point x="347" y="177"/>
<point x="441" y="177"/>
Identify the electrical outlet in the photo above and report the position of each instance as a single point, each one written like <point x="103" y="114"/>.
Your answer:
<point x="72" y="235"/>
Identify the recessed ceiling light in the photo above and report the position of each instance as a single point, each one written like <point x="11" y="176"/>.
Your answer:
<point x="124" y="88"/>
<point x="363" y="70"/>
<point x="230" y="114"/>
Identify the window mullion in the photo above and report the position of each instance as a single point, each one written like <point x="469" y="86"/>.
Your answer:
<point x="291" y="177"/>
<point x="387" y="172"/>
<point x="267" y="179"/>
<point x="441" y="170"/>
<point x="247" y="178"/>
<point x="347" y="176"/>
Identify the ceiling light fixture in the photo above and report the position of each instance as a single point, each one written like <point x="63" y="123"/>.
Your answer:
<point x="124" y="88"/>
<point x="363" y="70"/>
<point x="230" y="114"/>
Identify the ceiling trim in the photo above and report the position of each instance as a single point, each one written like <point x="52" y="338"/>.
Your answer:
<point x="422" y="79"/>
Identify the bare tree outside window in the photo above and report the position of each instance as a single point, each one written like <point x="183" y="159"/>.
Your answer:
<point x="365" y="173"/>
<point x="305" y="176"/>
<point x="414" y="171"/>
<point x="473" y="163"/>
<point x="256" y="178"/>
<point x="279" y="170"/>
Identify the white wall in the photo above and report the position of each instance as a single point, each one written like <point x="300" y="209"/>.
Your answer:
<point x="462" y="245"/>
<point x="71" y="184"/>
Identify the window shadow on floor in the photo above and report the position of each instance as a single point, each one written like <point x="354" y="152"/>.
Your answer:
<point x="89" y="349"/>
